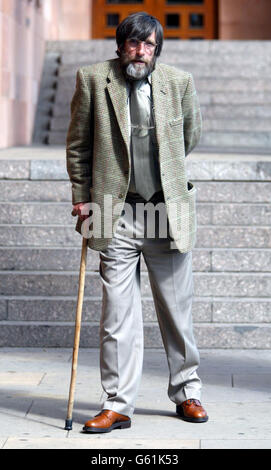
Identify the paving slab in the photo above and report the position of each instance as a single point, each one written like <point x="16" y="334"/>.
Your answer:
<point x="15" y="403"/>
<point x="95" y="443"/>
<point x="16" y="426"/>
<point x="2" y="442"/>
<point x="34" y="395"/>
<point x="232" y="388"/>
<point x="34" y="359"/>
<point x="240" y="361"/>
<point x="12" y="378"/>
<point x="236" y="444"/>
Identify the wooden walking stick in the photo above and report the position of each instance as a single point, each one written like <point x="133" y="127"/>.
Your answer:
<point x="80" y="296"/>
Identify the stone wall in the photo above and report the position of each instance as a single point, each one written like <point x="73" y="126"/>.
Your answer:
<point x="25" y="25"/>
<point x="244" y="19"/>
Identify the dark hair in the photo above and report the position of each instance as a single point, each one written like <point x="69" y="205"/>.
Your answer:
<point x="139" y="25"/>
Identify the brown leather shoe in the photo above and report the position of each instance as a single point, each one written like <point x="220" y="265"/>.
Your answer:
<point x="105" y="421"/>
<point x="192" y="411"/>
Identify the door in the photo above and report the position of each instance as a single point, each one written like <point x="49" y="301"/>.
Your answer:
<point x="181" y="19"/>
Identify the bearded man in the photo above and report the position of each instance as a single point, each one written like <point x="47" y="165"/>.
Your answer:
<point x="133" y="122"/>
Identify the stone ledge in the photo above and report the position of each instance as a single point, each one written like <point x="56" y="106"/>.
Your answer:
<point x="52" y="335"/>
<point x="210" y="309"/>
<point x="44" y="283"/>
<point x="59" y="309"/>
<point x="18" y="258"/>
<point x="207" y="191"/>
<point x="58" y="152"/>
<point x="217" y="214"/>
<point x="219" y="167"/>
<point x="208" y="236"/>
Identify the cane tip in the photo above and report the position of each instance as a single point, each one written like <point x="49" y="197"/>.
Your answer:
<point x="68" y="424"/>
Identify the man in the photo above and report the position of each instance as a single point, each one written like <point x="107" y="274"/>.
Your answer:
<point x="133" y="122"/>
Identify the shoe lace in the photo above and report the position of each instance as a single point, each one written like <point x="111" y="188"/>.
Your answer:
<point x="193" y="400"/>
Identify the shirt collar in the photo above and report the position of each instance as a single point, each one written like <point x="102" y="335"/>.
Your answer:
<point x="149" y="78"/>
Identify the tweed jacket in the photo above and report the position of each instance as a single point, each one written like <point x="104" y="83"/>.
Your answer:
<point x="98" y="147"/>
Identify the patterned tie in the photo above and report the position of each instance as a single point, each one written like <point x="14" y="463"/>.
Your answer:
<point x="143" y="164"/>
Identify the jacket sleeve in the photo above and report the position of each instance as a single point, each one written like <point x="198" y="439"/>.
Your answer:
<point x="192" y="117"/>
<point x="79" y="142"/>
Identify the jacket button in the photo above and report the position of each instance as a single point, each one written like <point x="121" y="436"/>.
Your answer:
<point x="120" y="196"/>
<point x="126" y="172"/>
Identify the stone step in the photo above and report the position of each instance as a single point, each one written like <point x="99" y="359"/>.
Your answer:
<point x="45" y="108"/>
<point x="50" y="72"/>
<point x="39" y="283"/>
<point x="43" y="124"/>
<point x="50" y="69"/>
<point x="174" y="56"/>
<point x="52" y="57"/>
<point x="61" y="124"/>
<point x="212" y="84"/>
<point x="207" y="97"/>
<point x="242" y="111"/>
<point x="207" y="191"/>
<point x="67" y="259"/>
<point x="41" y="163"/>
<point x="208" y="236"/>
<point x="244" y="151"/>
<point x="236" y="139"/>
<point x="229" y="48"/>
<point x="26" y="213"/>
<point x="230" y="85"/>
<point x="56" y="137"/>
<point x="55" y="191"/>
<point x="77" y="46"/>
<point x="242" y="125"/>
<point x="39" y="213"/>
<point x="218" y="111"/>
<point x="61" y="334"/>
<point x="49" y="82"/>
<point x="47" y="95"/>
<point x="239" y="69"/>
<point x="47" y="90"/>
<point x="176" y="48"/>
<point x="204" y="309"/>
<point x="56" y="309"/>
<point x="204" y="70"/>
<point x="176" y="52"/>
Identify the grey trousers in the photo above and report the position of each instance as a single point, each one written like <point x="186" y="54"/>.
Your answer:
<point x="121" y="325"/>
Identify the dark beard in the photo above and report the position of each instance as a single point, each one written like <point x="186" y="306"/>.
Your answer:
<point x="131" y="72"/>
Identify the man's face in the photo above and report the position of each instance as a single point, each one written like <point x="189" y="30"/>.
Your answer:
<point x="138" y="58"/>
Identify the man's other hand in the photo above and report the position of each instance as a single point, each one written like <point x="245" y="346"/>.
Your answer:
<point x="82" y="210"/>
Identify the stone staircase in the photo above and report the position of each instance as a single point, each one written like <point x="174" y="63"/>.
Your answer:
<point x="40" y="254"/>
<point x="47" y="94"/>
<point x="232" y="79"/>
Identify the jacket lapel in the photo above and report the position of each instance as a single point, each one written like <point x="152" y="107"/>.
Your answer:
<point x="159" y="94"/>
<point x="117" y="90"/>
